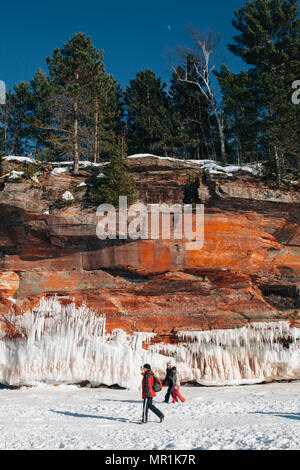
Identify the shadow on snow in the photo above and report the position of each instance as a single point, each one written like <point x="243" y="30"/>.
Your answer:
<point x="295" y="416"/>
<point x="81" y="415"/>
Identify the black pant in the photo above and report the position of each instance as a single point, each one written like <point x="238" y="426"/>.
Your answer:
<point x="169" y="393"/>
<point x="148" y="405"/>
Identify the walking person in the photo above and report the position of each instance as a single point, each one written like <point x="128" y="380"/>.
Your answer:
<point x="176" y="387"/>
<point x="168" y="372"/>
<point x="148" y="393"/>
<point x="169" y="382"/>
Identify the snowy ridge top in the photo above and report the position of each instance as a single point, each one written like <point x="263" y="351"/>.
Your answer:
<point x="19" y="159"/>
<point x="211" y="166"/>
<point x="83" y="163"/>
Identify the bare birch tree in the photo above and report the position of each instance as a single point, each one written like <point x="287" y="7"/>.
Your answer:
<point x="202" y="59"/>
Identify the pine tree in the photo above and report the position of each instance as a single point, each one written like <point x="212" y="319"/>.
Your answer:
<point x="240" y="112"/>
<point x="75" y="70"/>
<point x="114" y="182"/>
<point x="149" y="124"/>
<point x="269" y="41"/>
<point x="16" y="117"/>
<point x="41" y="132"/>
<point x="106" y="115"/>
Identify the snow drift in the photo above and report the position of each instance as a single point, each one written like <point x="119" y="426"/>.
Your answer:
<point x="58" y="343"/>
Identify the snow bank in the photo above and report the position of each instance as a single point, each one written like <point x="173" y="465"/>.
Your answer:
<point x="65" y="344"/>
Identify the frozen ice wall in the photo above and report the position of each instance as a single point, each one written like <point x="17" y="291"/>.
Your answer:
<point x="65" y="344"/>
<point x="256" y="353"/>
<point x="68" y="344"/>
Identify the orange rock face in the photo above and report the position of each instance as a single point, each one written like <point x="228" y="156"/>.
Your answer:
<point x="247" y="270"/>
<point x="9" y="284"/>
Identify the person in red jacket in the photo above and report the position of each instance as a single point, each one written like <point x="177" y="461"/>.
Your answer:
<point x="148" y="393"/>
<point x="176" y="387"/>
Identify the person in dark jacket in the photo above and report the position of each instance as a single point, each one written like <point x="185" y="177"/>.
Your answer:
<point x="148" y="393"/>
<point x="168" y="371"/>
<point x="169" y="382"/>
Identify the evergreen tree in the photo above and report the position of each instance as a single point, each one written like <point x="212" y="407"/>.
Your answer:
<point x="78" y="73"/>
<point x="114" y="182"/>
<point x="16" y="117"/>
<point x="106" y="115"/>
<point x="269" y="41"/>
<point x="240" y="112"/>
<point x="40" y="129"/>
<point x="149" y="123"/>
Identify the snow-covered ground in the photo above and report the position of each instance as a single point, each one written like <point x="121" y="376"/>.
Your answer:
<point x="67" y="417"/>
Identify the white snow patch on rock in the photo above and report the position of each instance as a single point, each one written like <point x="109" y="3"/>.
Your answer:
<point x="67" y="196"/>
<point x="15" y="175"/>
<point x="82" y="163"/>
<point x="59" y="171"/>
<point x="19" y="159"/>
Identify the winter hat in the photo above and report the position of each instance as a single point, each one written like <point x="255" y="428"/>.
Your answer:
<point x="147" y="366"/>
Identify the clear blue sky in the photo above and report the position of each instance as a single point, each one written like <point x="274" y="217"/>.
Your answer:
<point x="134" y="34"/>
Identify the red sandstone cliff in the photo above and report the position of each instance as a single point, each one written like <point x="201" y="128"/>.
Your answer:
<point x="248" y="269"/>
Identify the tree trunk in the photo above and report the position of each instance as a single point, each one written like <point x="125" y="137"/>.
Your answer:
<point x="278" y="166"/>
<point x="221" y="134"/>
<point x="238" y="152"/>
<point x="212" y="144"/>
<point x="96" y="132"/>
<point x="76" y="152"/>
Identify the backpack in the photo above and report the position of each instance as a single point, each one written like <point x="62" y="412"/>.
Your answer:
<point x="157" y="385"/>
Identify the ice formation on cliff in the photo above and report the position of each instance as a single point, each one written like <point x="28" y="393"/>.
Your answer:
<point x="252" y="354"/>
<point x="67" y="344"/>
<point x="58" y="343"/>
